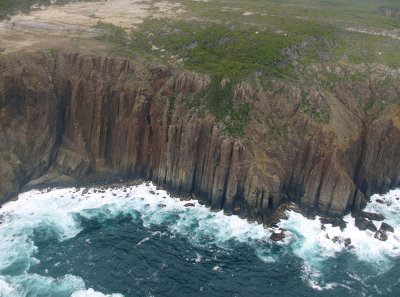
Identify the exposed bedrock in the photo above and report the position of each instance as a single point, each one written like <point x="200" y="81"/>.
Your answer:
<point x="84" y="118"/>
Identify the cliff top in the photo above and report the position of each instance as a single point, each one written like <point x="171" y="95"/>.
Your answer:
<point x="355" y="31"/>
<point x="313" y="46"/>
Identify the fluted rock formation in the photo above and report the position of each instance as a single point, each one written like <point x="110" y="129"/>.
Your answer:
<point x="98" y="118"/>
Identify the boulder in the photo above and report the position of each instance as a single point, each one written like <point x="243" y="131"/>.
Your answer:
<point x="386" y="227"/>
<point x="277" y="236"/>
<point x="373" y="216"/>
<point x="364" y="224"/>
<point x="326" y="220"/>
<point x="338" y="222"/>
<point x="347" y="242"/>
<point x="381" y="235"/>
<point x="189" y="205"/>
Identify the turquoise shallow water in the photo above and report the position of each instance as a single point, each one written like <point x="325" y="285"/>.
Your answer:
<point x="138" y="241"/>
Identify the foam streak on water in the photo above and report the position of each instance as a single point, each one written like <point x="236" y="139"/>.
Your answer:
<point x="56" y="215"/>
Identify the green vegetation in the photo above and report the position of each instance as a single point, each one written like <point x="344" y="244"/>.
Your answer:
<point x="226" y="51"/>
<point x="219" y="100"/>
<point x="321" y="114"/>
<point x="48" y="51"/>
<point x="112" y="34"/>
<point x="170" y="109"/>
<point x="282" y="13"/>
<point x="300" y="42"/>
<point x="9" y="7"/>
<point x="219" y="50"/>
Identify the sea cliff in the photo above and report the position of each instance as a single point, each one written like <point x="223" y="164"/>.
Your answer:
<point x="72" y="119"/>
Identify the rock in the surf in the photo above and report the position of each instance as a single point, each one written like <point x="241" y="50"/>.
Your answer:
<point x="364" y="224"/>
<point x="277" y="236"/>
<point x="386" y="227"/>
<point x="381" y="235"/>
<point x="373" y="216"/>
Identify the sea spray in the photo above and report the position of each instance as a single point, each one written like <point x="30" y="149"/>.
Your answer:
<point x="41" y="224"/>
<point x="315" y="244"/>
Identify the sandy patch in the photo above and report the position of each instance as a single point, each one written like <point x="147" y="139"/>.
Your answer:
<point x="395" y="34"/>
<point x="124" y="13"/>
<point x="54" y="26"/>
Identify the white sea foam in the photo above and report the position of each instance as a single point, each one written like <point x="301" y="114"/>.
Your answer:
<point x="92" y="293"/>
<point x="143" y="240"/>
<point x="57" y="211"/>
<point x="33" y="285"/>
<point x="314" y="278"/>
<point x="198" y="258"/>
<point x="7" y="289"/>
<point x="197" y="223"/>
<point x="217" y="268"/>
<point x="390" y="208"/>
<point x="314" y="245"/>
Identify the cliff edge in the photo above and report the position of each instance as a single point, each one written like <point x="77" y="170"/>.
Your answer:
<point x="73" y="118"/>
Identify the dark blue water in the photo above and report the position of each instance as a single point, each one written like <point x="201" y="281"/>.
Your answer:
<point x="150" y="246"/>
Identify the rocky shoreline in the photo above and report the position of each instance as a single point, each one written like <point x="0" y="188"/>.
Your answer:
<point x="91" y="119"/>
<point x="363" y="219"/>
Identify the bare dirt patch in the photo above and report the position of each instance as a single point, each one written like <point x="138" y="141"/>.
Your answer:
<point x="395" y="34"/>
<point x="69" y="25"/>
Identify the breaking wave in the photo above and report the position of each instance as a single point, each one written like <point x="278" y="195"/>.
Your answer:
<point x="58" y="215"/>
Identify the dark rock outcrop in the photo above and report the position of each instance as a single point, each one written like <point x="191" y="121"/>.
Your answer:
<point x="277" y="236"/>
<point x="372" y="216"/>
<point x="386" y="227"/>
<point x="381" y="235"/>
<point x="335" y="221"/>
<point x="364" y="224"/>
<point x="87" y="118"/>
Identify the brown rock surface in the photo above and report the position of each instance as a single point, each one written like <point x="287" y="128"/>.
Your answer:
<point x="277" y="236"/>
<point x="93" y="118"/>
<point x="386" y="227"/>
<point x="364" y="224"/>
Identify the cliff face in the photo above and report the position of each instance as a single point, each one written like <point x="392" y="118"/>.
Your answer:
<point x="96" y="118"/>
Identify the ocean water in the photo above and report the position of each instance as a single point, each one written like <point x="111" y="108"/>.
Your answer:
<point x="138" y="241"/>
